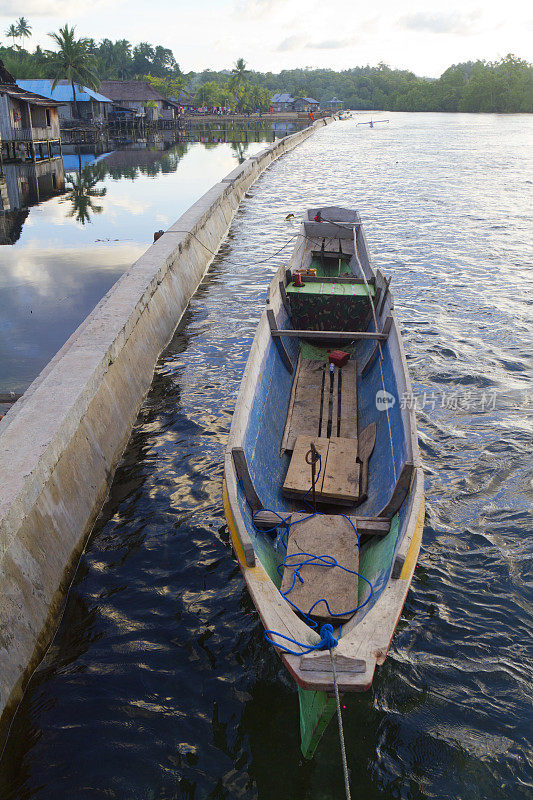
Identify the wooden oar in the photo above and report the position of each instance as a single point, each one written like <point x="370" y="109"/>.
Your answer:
<point x="367" y="440"/>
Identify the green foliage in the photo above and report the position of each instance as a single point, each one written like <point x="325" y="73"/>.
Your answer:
<point x="167" y="86"/>
<point x="12" y="32"/>
<point x="502" y="86"/>
<point x="23" y="29"/>
<point x="73" y="61"/>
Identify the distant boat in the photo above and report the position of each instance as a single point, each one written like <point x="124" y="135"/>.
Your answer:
<point x="373" y="122"/>
<point x="323" y="489"/>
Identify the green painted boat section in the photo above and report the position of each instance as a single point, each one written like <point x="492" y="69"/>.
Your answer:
<point x="315" y="353"/>
<point x="330" y="267"/>
<point x="316" y="710"/>
<point x="336" y="289"/>
<point x="376" y="557"/>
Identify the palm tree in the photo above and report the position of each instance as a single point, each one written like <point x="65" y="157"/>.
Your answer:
<point x="123" y="57"/>
<point x="179" y="85"/>
<point x="23" y="29"/>
<point x="13" y="32"/>
<point x="73" y="61"/>
<point x="239" y="73"/>
<point x="238" y="81"/>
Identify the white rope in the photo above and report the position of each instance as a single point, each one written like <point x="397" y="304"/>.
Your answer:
<point x="356" y="253"/>
<point x="341" y="731"/>
<point x="353" y="227"/>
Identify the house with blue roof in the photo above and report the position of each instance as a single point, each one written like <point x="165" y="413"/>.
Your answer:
<point x="84" y="103"/>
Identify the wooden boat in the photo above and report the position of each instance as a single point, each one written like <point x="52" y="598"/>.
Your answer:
<point x="368" y="483"/>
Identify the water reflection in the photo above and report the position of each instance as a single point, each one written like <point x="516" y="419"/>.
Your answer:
<point x="82" y="191"/>
<point x="76" y="224"/>
<point x="25" y="185"/>
<point x="239" y="149"/>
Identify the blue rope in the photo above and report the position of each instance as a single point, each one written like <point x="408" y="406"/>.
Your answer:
<point x="327" y="640"/>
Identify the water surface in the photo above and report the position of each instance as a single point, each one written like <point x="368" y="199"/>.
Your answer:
<point x="159" y="683"/>
<point x="74" y="246"/>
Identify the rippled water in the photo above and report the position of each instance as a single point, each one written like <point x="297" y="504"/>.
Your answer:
<point x="159" y="683"/>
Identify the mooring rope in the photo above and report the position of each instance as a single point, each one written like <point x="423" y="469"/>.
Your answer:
<point x="341" y="730"/>
<point x="356" y="252"/>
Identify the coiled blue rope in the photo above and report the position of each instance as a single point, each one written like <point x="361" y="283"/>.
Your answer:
<point x="327" y="640"/>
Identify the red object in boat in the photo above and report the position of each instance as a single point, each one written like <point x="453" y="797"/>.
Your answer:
<point x="298" y="282"/>
<point x="338" y="357"/>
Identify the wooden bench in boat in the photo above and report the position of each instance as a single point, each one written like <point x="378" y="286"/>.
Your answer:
<point x="330" y="535"/>
<point x="323" y="410"/>
<point x="338" y="480"/>
<point x="379" y="527"/>
<point x="322" y="404"/>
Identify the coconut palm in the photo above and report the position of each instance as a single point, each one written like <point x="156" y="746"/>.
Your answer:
<point x="239" y="74"/>
<point x="73" y="61"/>
<point x="23" y="29"/>
<point x="12" y="32"/>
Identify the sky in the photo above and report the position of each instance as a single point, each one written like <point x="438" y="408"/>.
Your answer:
<point x="271" y="35"/>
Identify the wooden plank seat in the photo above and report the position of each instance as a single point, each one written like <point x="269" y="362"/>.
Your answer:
<point x="338" y="479"/>
<point x="321" y="404"/>
<point x="333" y="536"/>
<point x="266" y="520"/>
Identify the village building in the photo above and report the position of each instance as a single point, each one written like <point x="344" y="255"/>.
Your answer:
<point x="282" y="102"/>
<point x="305" y="104"/>
<point x="29" y="123"/>
<point x="141" y="98"/>
<point x="286" y="102"/>
<point x="335" y="104"/>
<point x="84" y="103"/>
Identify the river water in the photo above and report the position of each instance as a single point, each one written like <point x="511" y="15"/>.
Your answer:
<point x="72" y="248"/>
<point x="159" y="683"/>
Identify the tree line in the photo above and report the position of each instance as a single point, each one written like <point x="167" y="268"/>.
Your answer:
<point x="501" y="86"/>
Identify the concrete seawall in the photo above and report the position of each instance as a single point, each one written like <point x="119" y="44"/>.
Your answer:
<point x="60" y="444"/>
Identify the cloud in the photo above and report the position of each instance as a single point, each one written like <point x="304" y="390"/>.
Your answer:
<point x="329" y="44"/>
<point x="291" y="43"/>
<point x="49" y="8"/>
<point x="258" y="8"/>
<point x="451" y="22"/>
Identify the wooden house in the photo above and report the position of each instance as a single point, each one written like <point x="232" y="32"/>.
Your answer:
<point x="282" y="102"/>
<point x="335" y="104"/>
<point x="142" y="98"/>
<point x="305" y="104"/>
<point x="29" y="123"/>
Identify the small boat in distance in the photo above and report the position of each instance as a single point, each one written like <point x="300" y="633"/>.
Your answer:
<point x="373" y="122"/>
<point x="323" y="489"/>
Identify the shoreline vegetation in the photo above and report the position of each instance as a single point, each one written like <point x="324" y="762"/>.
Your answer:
<point x="504" y="86"/>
